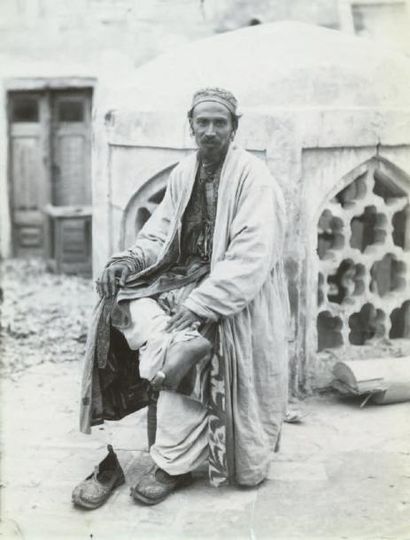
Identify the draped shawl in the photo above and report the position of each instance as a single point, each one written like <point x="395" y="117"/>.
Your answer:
<point x="245" y="293"/>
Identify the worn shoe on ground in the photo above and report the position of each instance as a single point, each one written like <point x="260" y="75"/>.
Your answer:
<point x="96" y="488"/>
<point x="156" y="485"/>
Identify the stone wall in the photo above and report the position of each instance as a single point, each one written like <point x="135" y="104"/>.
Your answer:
<point x="233" y="14"/>
<point x="386" y="21"/>
<point x="100" y="31"/>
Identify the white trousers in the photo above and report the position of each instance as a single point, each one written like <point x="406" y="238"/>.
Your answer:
<point x="181" y="443"/>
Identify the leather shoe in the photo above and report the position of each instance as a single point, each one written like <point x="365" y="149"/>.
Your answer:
<point x="96" y="488"/>
<point x="156" y="485"/>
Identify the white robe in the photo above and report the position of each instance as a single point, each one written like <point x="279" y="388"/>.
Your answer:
<point x="246" y="293"/>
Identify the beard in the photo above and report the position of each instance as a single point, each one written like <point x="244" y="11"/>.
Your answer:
<point x="213" y="152"/>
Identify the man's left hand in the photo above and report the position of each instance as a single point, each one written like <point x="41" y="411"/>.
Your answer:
<point x="183" y="318"/>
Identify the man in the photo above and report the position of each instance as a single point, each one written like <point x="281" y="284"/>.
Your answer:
<point x="203" y="296"/>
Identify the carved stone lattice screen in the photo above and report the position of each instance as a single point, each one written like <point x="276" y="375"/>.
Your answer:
<point x="363" y="260"/>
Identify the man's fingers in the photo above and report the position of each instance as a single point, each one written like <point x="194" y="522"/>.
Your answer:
<point x="170" y="326"/>
<point x="180" y="323"/>
<point x="112" y="282"/>
<point x="181" y="320"/>
<point x="174" y="321"/>
<point x="112" y="277"/>
<point x="107" y="283"/>
<point x="124" y="275"/>
<point x="103" y="284"/>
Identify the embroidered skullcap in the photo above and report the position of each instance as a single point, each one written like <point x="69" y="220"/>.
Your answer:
<point x="218" y="95"/>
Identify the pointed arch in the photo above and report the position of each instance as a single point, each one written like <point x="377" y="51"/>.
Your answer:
<point x="381" y="169"/>
<point x="142" y="204"/>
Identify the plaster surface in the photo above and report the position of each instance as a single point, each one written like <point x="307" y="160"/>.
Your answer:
<point x="283" y="64"/>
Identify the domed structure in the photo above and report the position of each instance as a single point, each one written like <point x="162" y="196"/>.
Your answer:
<point x="329" y="114"/>
<point x="284" y="64"/>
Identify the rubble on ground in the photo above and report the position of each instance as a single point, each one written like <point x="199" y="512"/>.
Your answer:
<point x="44" y="316"/>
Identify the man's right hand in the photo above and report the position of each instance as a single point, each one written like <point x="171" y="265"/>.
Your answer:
<point x="113" y="276"/>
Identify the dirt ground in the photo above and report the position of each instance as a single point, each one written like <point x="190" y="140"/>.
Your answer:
<point x="342" y="474"/>
<point x="43" y="316"/>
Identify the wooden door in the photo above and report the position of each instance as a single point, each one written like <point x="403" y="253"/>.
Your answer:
<point x="50" y="152"/>
<point x="29" y="170"/>
<point x="71" y="147"/>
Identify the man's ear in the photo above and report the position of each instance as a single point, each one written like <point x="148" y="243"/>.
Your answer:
<point x="191" y="127"/>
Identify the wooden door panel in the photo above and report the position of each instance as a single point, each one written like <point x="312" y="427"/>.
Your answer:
<point x="71" y="167"/>
<point x="29" y="239"/>
<point x="76" y="245"/>
<point x="71" y="184"/>
<point x="71" y="119"/>
<point x="28" y="170"/>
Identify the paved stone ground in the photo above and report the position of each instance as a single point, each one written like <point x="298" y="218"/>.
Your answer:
<point x="344" y="473"/>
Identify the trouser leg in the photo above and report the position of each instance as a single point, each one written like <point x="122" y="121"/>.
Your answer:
<point x="181" y="442"/>
<point x="147" y="334"/>
<point x="182" y="423"/>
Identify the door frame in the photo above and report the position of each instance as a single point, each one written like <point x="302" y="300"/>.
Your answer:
<point x="29" y="84"/>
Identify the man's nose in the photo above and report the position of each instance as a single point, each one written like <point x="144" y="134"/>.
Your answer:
<point x="210" y="130"/>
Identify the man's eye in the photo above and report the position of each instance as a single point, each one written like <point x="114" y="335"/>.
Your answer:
<point x="201" y="122"/>
<point x="220" y="123"/>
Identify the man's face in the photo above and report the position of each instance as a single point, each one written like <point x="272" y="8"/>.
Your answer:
<point x="212" y="127"/>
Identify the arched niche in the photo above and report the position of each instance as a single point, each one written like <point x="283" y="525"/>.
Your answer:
<point x="141" y="205"/>
<point x="362" y="260"/>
